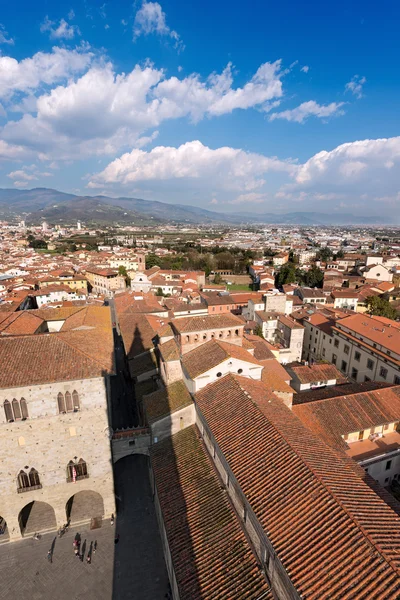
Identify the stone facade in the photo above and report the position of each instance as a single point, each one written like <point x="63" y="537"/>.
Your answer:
<point x="46" y="441"/>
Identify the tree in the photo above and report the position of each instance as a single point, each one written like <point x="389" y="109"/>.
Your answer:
<point x="324" y="254"/>
<point x="152" y="260"/>
<point x="379" y="307"/>
<point x="38" y="244"/>
<point x="258" y="331"/>
<point x="122" y="271"/>
<point x="217" y="278"/>
<point x="314" y="277"/>
<point x="339" y="254"/>
<point x="287" y="274"/>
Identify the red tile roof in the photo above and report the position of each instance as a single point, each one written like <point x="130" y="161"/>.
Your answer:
<point x="200" y="323"/>
<point x="212" y="354"/>
<point x="211" y="556"/>
<point x="334" y="536"/>
<point x="333" y="417"/>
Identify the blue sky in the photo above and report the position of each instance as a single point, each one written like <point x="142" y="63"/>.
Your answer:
<point x="232" y="106"/>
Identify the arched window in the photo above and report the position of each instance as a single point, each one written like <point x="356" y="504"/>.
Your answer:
<point x="28" y="481"/>
<point x="24" y="408"/>
<point x="188" y="338"/>
<point x="68" y="402"/>
<point x="16" y="409"/>
<point x="75" y="400"/>
<point x="8" y="411"/>
<point x="34" y="477"/>
<point x="76" y="471"/>
<point x="23" y="480"/>
<point x="61" y="403"/>
<point x="236" y="331"/>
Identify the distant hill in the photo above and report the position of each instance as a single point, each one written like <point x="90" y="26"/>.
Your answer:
<point x="57" y="207"/>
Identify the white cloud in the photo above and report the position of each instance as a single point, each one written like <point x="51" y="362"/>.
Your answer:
<point x="355" y="86"/>
<point x="20" y="174"/>
<point x="71" y="14"/>
<point x="22" y="177"/>
<point x="195" y="165"/>
<point x="251" y="197"/>
<point x="151" y="18"/>
<point x="4" y="39"/>
<point x="305" y="69"/>
<point x="102" y="112"/>
<point x="9" y="152"/>
<point x="61" y="31"/>
<point x="42" y="68"/>
<point x="309" y="109"/>
<point x="369" y="162"/>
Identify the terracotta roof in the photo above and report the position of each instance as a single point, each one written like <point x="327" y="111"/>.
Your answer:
<point x="216" y="299"/>
<point x="316" y="372"/>
<point x="380" y="330"/>
<point x="344" y="389"/>
<point x="334" y="536"/>
<point x="169" y="351"/>
<point x="137" y="334"/>
<point x="262" y="349"/>
<point x="143" y="364"/>
<point x="165" y="401"/>
<point x="333" y="417"/>
<point x="210" y="553"/>
<point x="46" y="358"/>
<point x="344" y="293"/>
<point x="19" y="323"/>
<point x="211" y="354"/>
<point x="200" y="323"/>
<point x="275" y="376"/>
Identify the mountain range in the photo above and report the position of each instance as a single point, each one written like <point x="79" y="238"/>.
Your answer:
<point x="39" y="204"/>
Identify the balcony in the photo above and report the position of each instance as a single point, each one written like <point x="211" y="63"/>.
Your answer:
<point x="30" y="488"/>
<point x="77" y="478"/>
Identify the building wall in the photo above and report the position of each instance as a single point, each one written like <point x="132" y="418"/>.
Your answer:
<point x="190" y="341"/>
<point x="276" y="303"/>
<point x="176" y="421"/>
<point x="47" y="441"/>
<point x="171" y="371"/>
<point x="346" y="352"/>
<point x="230" y="365"/>
<point x="385" y="469"/>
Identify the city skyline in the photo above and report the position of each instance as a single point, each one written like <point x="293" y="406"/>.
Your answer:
<point x="252" y="110"/>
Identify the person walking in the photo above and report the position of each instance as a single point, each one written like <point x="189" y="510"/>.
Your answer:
<point x="49" y="556"/>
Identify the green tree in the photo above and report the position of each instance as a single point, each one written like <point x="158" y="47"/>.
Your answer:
<point x="324" y="254"/>
<point x="380" y="307"/>
<point x="122" y="271"/>
<point x="217" y="278"/>
<point x="38" y="244"/>
<point x="314" y="277"/>
<point x="258" y="331"/>
<point x="152" y="261"/>
<point x="287" y="274"/>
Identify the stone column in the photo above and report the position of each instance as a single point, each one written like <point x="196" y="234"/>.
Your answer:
<point x="14" y="529"/>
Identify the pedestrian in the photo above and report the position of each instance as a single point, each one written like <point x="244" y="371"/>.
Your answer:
<point x="95" y="547"/>
<point x="49" y="556"/>
<point x="116" y="540"/>
<point x="112" y="519"/>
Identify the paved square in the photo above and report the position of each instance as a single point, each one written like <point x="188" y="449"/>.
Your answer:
<point x="133" y="569"/>
<point x="26" y="572"/>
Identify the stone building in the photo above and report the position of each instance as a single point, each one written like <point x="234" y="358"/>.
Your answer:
<point x="54" y="424"/>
